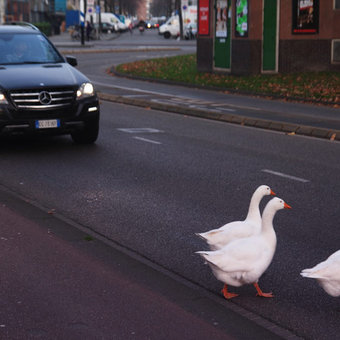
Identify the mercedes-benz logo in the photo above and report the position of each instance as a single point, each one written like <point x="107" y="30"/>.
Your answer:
<point x="45" y="98"/>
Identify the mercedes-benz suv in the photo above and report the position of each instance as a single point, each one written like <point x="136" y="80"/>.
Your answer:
<point x="41" y="92"/>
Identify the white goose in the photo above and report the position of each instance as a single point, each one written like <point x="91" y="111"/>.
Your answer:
<point x="327" y="273"/>
<point x="218" y="238"/>
<point x="243" y="261"/>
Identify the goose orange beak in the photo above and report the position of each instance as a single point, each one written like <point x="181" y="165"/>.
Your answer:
<point x="272" y="193"/>
<point x="287" y="206"/>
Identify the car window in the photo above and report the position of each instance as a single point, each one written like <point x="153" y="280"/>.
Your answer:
<point x="27" y="48"/>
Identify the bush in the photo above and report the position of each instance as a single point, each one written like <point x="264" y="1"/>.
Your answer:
<point x="44" y="27"/>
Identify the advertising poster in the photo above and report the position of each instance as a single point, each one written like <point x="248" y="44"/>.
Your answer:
<point x="305" y="16"/>
<point x="241" y="29"/>
<point x="221" y="18"/>
<point x="203" y="17"/>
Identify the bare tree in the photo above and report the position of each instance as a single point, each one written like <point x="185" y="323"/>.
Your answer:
<point x="124" y="6"/>
<point x="162" y="7"/>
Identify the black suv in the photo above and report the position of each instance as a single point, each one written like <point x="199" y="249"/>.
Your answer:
<point x="40" y="90"/>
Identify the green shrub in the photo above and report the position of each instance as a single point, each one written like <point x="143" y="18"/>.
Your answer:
<point x="44" y="27"/>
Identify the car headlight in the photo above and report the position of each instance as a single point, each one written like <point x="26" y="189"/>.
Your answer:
<point x="85" y="90"/>
<point x="3" y="99"/>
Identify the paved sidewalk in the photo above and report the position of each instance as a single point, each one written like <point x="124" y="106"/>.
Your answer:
<point x="59" y="282"/>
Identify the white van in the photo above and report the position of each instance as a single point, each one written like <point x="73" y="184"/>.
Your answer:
<point x="108" y="18"/>
<point x="171" y="27"/>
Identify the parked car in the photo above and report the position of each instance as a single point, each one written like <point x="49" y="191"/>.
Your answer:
<point x="106" y="27"/>
<point x="41" y="92"/>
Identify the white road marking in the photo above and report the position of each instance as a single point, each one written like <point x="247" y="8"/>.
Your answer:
<point x="167" y="95"/>
<point x="285" y="175"/>
<point x="244" y="107"/>
<point x="134" y="95"/>
<point x="147" y="140"/>
<point x="134" y="89"/>
<point x="225" y="109"/>
<point x="140" y="130"/>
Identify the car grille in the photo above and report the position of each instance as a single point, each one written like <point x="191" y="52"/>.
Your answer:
<point x="43" y="99"/>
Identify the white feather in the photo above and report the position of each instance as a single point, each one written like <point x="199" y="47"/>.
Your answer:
<point x="327" y="273"/>
<point x="243" y="261"/>
<point x="218" y="238"/>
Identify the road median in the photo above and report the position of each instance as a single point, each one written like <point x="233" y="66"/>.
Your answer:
<point x="289" y="128"/>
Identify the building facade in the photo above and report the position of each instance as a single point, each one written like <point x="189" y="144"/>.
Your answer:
<point x="26" y="10"/>
<point x="268" y="36"/>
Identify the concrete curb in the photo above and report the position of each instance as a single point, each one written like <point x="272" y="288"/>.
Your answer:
<point x="82" y="50"/>
<point x="288" y="128"/>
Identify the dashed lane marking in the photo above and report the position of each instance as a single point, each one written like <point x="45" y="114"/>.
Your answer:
<point x="280" y="174"/>
<point x="147" y="140"/>
<point x="140" y="130"/>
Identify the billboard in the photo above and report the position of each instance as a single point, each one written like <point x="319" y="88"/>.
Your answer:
<point x="203" y="17"/>
<point x="305" y="16"/>
<point x="221" y="18"/>
<point x="241" y="24"/>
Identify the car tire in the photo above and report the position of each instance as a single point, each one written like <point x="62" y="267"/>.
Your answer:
<point x="167" y="35"/>
<point x="88" y="135"/>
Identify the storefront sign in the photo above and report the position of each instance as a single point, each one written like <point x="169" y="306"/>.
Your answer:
<point x="241" y="25"/>
<point x="203" y="17"/>
<point x="305" y="16"/>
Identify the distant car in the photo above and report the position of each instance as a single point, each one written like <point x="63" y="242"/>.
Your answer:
<point x="40" y="91"/>
<point x="152" y="23"/>
<point x="190" y="31"/>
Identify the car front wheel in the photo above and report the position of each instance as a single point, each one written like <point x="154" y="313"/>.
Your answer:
<point x="88" y="135"/>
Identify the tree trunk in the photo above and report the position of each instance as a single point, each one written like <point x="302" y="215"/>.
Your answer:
<point x="178" y="5"/>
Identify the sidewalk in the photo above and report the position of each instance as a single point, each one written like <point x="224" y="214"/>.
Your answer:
<point x="59" y="282"/>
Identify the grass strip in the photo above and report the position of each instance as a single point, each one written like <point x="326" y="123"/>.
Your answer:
<point x="310" y="86"/>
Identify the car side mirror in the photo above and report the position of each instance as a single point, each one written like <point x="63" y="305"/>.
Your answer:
<point x="72" y="60"/>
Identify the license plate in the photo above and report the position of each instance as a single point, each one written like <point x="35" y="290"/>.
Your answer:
<point x="47" y="124"/>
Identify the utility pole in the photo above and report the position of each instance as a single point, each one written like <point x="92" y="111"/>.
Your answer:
<point x="98" y="14"/>
<point x="82" y="21"/>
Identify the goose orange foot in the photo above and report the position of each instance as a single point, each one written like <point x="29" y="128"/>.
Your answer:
<point x="260" y="292"/>
<point x="227" y="294"/>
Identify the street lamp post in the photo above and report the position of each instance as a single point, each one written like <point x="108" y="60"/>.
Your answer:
<point x="82" y="20"/>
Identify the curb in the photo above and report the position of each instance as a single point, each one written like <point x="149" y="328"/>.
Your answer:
<point x="288" y="128"/>
<point x="81" y="50"/>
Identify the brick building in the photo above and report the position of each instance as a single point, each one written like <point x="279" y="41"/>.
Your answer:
<point x="268" y="36"/>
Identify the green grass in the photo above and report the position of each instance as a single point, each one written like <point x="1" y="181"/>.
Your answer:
<point x="311" y="86"/>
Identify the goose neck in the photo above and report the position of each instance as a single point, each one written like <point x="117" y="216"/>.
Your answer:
<point x="254" y="209"/>
<point x="267" y="219"/>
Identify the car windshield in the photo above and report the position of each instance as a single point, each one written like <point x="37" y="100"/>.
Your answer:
<point x="27" y="49"/>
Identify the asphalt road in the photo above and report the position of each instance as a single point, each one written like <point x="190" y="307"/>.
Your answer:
<point x="154" y="179"/>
